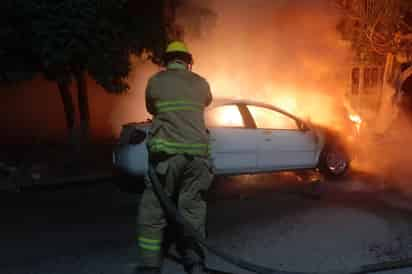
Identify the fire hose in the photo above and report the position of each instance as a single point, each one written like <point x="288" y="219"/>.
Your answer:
<point x="172" y="212"/>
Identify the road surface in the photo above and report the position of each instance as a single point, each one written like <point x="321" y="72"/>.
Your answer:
<point x="278" y="221"/>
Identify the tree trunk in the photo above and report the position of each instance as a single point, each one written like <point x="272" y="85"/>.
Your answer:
<point x="83" y="102"/>
<point x="68" y="109"/>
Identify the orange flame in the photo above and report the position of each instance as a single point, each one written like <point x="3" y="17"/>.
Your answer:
<point x="355" y="118"/>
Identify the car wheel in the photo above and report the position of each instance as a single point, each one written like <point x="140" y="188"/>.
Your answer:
<point x="334" y="162"/>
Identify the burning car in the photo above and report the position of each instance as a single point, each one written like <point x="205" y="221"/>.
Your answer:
<point x="246" y="138"/>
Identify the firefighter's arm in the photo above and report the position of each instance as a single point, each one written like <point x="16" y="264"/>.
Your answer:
<point x="150" y="107"/>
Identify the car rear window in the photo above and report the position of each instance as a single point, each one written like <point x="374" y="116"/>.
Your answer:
<point x="224" y="116"/>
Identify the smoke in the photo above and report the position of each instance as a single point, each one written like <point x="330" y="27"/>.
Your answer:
<point x="130" y="107"/>
<point x="287" y="53"/>
<point x="386" y="156"/>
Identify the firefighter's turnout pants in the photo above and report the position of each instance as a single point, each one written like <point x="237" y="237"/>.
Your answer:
<point x="186" y="180"/>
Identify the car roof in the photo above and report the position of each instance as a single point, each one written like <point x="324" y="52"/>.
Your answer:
<point x="228" y="101"/>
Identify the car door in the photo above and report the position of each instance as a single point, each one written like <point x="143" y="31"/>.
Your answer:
<point x="233" y="140"/>
<point x="281" y="142"/>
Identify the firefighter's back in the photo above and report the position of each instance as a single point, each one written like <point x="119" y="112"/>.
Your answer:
<point x="179" y="98"/>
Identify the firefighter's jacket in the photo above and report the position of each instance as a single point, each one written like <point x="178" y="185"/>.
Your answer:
<point x="177" y="99"/>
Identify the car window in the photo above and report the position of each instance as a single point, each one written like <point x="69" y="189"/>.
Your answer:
<point x="266" y="118"/>
<point x="224" y="116"/>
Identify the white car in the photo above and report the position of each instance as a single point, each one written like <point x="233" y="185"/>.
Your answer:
<point x="247" y="138"/>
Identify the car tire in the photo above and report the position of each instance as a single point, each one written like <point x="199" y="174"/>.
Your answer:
<point x="334" y="162"/>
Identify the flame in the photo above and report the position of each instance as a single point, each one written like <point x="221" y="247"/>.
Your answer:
<point x="227" y="116"/>
<point x="355" y="118"/>
<point x="306" y="103"/>
<point x="230" y="116"/>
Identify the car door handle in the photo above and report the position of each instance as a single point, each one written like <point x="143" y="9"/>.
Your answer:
<point x="268" y="140"/>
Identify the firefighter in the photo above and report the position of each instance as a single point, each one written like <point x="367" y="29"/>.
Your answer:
<point x="178" y="148"/>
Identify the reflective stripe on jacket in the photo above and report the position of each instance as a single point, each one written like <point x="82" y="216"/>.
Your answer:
<point x="161" y="145"/>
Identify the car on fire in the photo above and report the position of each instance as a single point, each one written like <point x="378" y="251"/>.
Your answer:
<point x="248" y="137"/>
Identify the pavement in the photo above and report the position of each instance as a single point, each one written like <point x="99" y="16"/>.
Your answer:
<point x="277" y="221"/>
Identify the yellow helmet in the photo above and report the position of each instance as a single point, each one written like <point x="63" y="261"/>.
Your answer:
<point x="177" y="50"/>
<point x="177" y="46"/>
